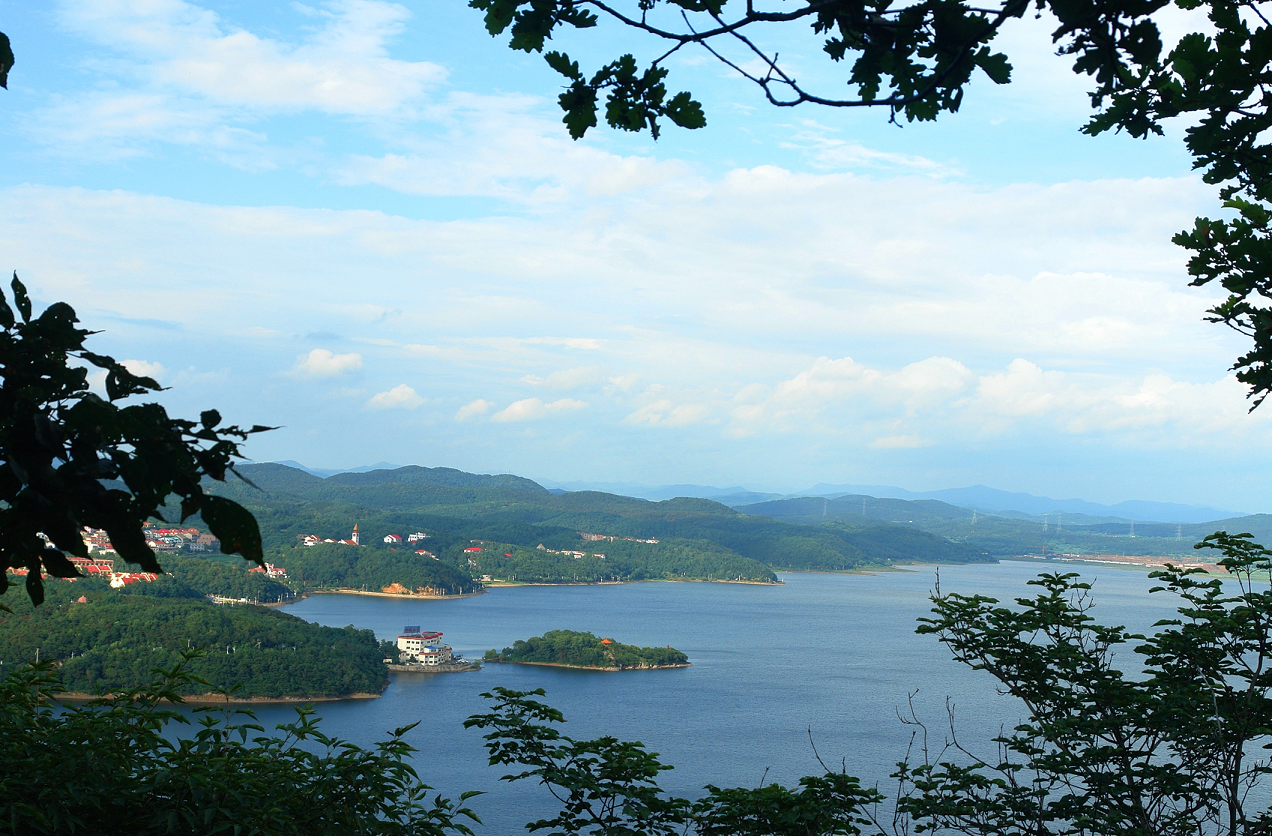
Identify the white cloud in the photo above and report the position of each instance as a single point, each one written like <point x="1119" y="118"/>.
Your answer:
<point x="473" y="409"/>
<point x="399" y="397"/>
<point x="940" y="401"/>
<point x="662" y="413"/>
<point x="323" y="363"/>
<point x="831" y="153"/>
<point x="532" y="409"/>
<point x="143" y="368"/>
<point x="343" y="67"/>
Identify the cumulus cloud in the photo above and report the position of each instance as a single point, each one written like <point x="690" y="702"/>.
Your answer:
<point x="323" y="363"/>
<point x="473" y="410"/>
<point x="342" y="67"/>
<point x="941" y="401"/>
<point x="662" y="413"/>
<point x="399" y="397"/>
<point x="143" y="368"/>
<point x="533" y="409"/>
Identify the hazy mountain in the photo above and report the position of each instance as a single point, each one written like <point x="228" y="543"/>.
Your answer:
<point x="992" y="499"/>
<point x="324" y="472"/>
<point x="735" y="495"/>
<point x="980" y="497"/>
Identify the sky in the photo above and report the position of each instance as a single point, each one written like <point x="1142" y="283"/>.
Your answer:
<point x="363" y="222"/>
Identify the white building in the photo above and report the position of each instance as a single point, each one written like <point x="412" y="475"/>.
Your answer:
<point x="423" y="648"/>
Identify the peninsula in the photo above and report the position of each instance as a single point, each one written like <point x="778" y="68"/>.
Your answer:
<point x="570" y="649"/>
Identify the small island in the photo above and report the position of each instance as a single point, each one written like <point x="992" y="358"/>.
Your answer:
<point x="570" y="649"/>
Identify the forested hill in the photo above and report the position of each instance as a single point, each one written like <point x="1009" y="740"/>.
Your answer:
<point x="1003" y="536"/>
<point x="115" y="639"/>
<point x="455" y="509"/>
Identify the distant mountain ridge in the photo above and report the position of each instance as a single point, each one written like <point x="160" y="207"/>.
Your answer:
<point x="977" y="497"/>
<point x="394" y="475"/>
<point x="984" y="498"/>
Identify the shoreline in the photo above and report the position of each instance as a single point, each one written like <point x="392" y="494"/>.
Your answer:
<point x="512" y="584"/>
<point x="431" y="669"/>
<point x="587" y="667"/>
<point x="217" y="699"/>
<point x="406" y="596"/>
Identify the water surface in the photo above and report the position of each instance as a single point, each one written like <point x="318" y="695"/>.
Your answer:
<point x="831" y="656"/>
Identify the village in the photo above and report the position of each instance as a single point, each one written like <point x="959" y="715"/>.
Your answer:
<point x="355" y="539"/>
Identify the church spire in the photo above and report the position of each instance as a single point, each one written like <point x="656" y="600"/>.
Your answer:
<point x="354" y="538"/>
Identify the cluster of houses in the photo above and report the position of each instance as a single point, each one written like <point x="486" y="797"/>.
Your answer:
<point x="355" y="539"/>
<point x="594" y="537"/>
<point x="100" y="567"/>
<point x="396" y="539"/>
<point x="165" y="540"/>
<point x="573" y="554"/>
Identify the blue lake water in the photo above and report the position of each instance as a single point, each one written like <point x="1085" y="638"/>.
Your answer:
<point x="834" y="656"/>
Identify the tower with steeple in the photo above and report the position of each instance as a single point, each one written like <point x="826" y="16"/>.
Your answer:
<point x="356" y="540"/>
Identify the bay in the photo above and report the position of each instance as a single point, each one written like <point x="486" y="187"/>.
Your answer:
<point x="824" y="660"/>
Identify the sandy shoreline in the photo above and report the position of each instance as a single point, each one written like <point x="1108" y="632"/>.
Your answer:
<point x="217" y="699"/>
<point x="406" y="596"/>
<point x="512" y="584"/>
<point x="586" y="667"/>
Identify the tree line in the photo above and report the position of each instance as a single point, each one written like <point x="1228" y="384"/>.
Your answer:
<point x="568" y="647"/>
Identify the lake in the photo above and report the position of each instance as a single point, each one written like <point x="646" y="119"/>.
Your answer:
<point x="829" y="656"/>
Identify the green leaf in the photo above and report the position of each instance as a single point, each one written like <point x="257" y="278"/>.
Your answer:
<point x="561" y="62"/>
<point x="21" y="299"/>
<point x="234" y="526"/>
<point x="685" y="112"/>
<point x="57" y="564"/>
<point x="6" y="313"/>
<point x="6" y="60"/>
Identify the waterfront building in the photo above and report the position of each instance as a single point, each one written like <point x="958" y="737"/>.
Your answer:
<point x="419" y="647"/>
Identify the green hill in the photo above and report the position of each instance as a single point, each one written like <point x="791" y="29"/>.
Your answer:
<point x="584" y="650"/>
<point x="116" y="638"/>
<point x="703" y="539"/>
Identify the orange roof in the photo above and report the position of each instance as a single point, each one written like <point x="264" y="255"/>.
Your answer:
<point x="607" y="641"/>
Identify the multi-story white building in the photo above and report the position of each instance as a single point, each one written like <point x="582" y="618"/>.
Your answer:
<point x="423" y="648"/>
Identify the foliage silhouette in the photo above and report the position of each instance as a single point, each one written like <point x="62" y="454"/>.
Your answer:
<point x="116" y="766"/>
<point x="73" y="459"/>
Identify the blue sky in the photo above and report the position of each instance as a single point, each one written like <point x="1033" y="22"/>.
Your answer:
<point x="364" y="222"/>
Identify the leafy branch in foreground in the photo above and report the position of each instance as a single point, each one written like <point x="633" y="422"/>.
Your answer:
<point x="115" y="766"/>
<point x="608" y="787"/>
<point x="72" y="459"/>
<point x="1162" y="747"/>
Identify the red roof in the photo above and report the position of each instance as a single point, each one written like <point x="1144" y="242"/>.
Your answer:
<point x="472" y="549"/>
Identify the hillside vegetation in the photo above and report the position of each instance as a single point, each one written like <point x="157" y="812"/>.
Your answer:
<point x="116" y="639"/>
<point x="584" y="650"/>
<point x="698" y="539"/>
